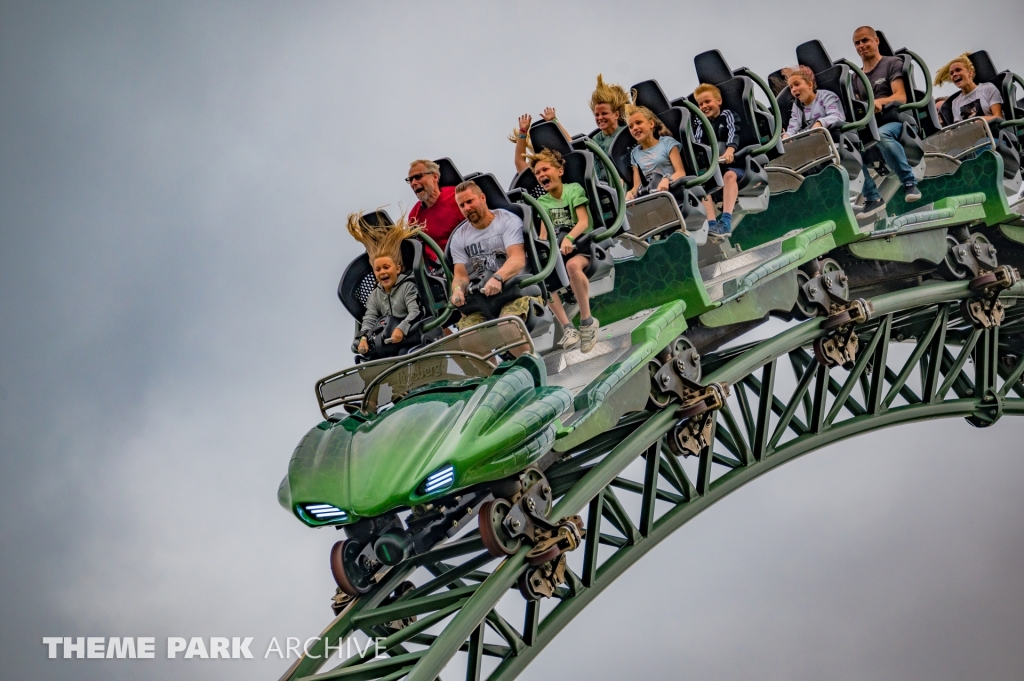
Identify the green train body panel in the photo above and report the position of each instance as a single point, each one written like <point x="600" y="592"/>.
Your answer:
<point x="370" y="465"/>
<point x="983" y="174"/>
<point x="823" y="197"/>
<point x="614" y="392"/>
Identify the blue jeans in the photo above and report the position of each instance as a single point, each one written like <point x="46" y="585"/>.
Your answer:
<point x="895" y="159"/>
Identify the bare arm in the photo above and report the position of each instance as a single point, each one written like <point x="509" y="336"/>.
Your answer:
<point x="997" y="112"/>
<point x="899" y="95"/>
<point x="636" y="184"/>
<point x="677" y="163"/>
<point x="524" y="129"/>
<point x="460" y="280"/>
<point x="514" y="263"/>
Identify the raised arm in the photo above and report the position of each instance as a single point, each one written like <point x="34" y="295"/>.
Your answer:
<point x="521" y="136"/>
<point x="549" y="115"/>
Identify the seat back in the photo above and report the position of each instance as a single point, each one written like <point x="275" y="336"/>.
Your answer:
<point x="649" y="94"/>
<point x="927" y="119"/>
<point x="547" y="135"/>
<point x="839" y="79"/>
<point x="813" y="54"/>
<point x="450" y="175"/>
<point x="737" y="95"/>
<point x="578" y="168"/>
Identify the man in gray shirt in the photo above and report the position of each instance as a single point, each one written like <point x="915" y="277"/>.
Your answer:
<point x="886" y="77"/>
<point x="488" y="241"/>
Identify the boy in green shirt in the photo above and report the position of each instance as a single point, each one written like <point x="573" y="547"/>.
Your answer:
<point x="567" y="204"/>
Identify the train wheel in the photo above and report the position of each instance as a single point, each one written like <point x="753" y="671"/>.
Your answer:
<point x="345" y="566"/>
<point x="496" y="540"/>
<point x="821" y="355"/>
<point x="949" y="268"/>
<point x="527" y="581"/>
<point x="657" y="399"/>
<point x="804" y="308"/>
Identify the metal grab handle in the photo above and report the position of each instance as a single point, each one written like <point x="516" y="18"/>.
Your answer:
<point x="439" y="252"/>
<point x="553" y="253"/>
<point x="856" y="125"/>
<point x="1013" y="122"/>
<point x="620" y="189"/>
<point x="712" y="138"/>
<point x="910" y="86"/>
<point x="776" y="113"/>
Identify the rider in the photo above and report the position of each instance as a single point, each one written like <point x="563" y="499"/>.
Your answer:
<point x="657" y="157"/>
<point x="487" y="244"/>
<point x="568" y="206"/>
<point x="395" y="296"/>
<point x="608" y="103"/>
<point x="812" y="108"/>
<point x="973" y="100"/>
<point x="886" y="77"/>
<point x="726" y="124"/>
<point x="436" y="211"/>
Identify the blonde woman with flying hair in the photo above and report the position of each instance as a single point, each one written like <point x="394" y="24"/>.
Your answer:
<point x="608" y="104"/>
<point x="973" y="100"/>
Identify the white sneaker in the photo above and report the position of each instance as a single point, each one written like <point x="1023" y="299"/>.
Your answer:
<point x="588" y="336"/>
<point x="570" y="337"/>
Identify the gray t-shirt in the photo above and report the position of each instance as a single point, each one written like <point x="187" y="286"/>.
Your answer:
<point x="978" y="103"/>
<point x="485" y="249"/>
<point x="656" y="159"/>
<point x="885" y="72"/>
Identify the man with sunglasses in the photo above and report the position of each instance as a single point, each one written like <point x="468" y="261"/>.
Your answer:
<point x="436" y="209"/>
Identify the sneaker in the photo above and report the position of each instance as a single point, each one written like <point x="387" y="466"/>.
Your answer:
<point x="871" y="206"/>
<point x="588" y="336"/>
<point x="570" y="337"/>
<point x="911" y="193"/>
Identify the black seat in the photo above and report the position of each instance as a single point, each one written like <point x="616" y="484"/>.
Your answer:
<point x="358" y="282"/>
<point x="450" y="175"/>
<point x="755" y="125"/>
<point x="838" y="78"/>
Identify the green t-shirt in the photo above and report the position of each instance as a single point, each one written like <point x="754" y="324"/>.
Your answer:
<point x="563" y="210"/>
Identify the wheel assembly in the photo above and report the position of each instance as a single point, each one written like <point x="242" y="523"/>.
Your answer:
<point x="352" y="568"/>
<point x="492" y="532"/>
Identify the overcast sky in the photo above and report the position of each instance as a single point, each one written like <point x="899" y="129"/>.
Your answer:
<point x="173" y="184"/>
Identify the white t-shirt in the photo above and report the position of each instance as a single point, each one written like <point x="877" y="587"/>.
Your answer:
<point x="486" y="249"/>
<point x="978" y="103"/>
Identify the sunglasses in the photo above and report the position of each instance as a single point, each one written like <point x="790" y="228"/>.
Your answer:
<point x="416" y="178"/>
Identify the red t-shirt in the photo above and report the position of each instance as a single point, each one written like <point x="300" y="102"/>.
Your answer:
<point x="440" y="220"/>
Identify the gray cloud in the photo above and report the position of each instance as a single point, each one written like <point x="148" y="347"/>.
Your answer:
<point x="173" y="180"/>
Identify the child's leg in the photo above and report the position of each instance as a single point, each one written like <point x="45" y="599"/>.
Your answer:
<point x="730" y="190"/>
<point x="558" y="309"/>
<point x="579" y="283"/>
<point x="709" y="208"/>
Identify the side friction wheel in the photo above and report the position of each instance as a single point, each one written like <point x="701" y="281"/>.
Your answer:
<point x="492" y="532"/>
<point x="347" y="568"/>
<point x="529" y="581"/>
<point x="950" y="268"/>
<point x="657" y="399"/>
<point x="804" y="308"/>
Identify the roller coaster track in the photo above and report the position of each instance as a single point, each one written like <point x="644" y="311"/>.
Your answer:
<point x="918" y="360"/>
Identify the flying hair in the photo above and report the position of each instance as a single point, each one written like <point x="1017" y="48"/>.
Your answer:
<point x="382" y="241"/>
<point x="942" y="75"/>
<point x="612" y="95"/>
<point x="659" y="127"/>
<point x="549" y="156"/>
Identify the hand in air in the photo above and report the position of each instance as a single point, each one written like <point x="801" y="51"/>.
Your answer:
<point x="397" y="336"/>
<point x="566" y="247"/>
<point x="549" y="113"/>
<point x="458" y="298"/>
<point x="364" y="347"/>
<point x="524" y="123"/>
<point x="663" y="184"/>
<point x="492" y="287"/>
<point x="728" y="156"/>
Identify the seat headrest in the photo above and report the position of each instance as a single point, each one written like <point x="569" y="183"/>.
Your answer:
<point x="650" y="94"/>
<point x="984" y="70"/>
<point x="777" y="83"/>
<point x="673" y="120"/>
<point x="450" y="175"/>
<point x="377" y="218"/>
<point x="547" y="135"/>
<point x="813" y="54"/>
<point x="712" y="67"/>
<point x="884" y="48"/>
<point x="495" y="195"/>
